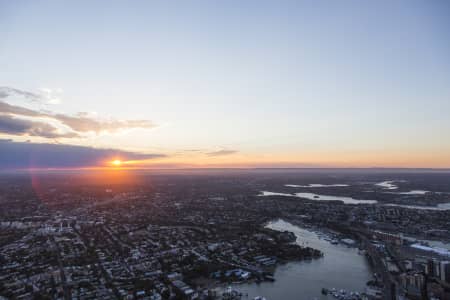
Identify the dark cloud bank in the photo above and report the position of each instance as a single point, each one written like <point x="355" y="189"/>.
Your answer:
<point x="21" y="155"/>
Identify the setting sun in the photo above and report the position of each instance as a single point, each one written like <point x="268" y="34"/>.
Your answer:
<point x="116" y="162"/>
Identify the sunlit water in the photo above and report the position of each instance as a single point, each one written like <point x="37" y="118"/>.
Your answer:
<point x="318" y="197"/>
<point x="317" y="185"/>
<point x="440" y="206"/>
<point x="387" y="185"/>
<point x="349" y="200"/>
<point x="414" y="192"/>
<point x="341" y="268"/>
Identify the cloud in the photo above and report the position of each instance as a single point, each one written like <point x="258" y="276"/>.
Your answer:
<point x="6" y="108"/>
<point x="6" y="92"/>
<point x="14" y="126"/>
<point x="52" y="96"/>
<point x="77" y="124"/>
<point x="221" y="152"/>
<point x="83" y="123"/>
<point x="19" y="155"/>
<point x="45" y="95"/>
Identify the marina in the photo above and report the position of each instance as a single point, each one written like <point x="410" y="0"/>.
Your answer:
<point x="343" y="271"/>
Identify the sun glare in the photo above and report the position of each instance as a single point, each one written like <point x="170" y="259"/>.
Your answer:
<point x="116" y="163"/>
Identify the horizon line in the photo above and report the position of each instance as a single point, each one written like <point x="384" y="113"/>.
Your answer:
<point x="118" y="169"/>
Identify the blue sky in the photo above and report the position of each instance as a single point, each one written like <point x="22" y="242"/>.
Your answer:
<point x="326" y="83"/>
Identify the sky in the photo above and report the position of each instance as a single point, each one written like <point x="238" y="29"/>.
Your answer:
<point x="174" y="84"/>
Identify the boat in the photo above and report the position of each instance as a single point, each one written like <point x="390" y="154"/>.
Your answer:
<point x="269" y="278"/>
<point x="325" y="291"/>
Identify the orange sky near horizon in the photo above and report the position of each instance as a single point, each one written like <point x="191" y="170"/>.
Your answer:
<point x="314" y="160"/>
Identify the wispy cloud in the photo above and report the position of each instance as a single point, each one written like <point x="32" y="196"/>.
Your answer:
<point x="221" y="152"/>
<point x="51" y="96"/>
<point x="44" y="95"/>
<point x="6" y="108"/>
<point x="15" y="126"/>
<point x="6" y="92"/>
<point x="77" y="124"/>
<point x="84" y="123"/>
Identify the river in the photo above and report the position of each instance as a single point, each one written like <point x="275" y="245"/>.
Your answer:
<point x="318" y="197"/>
<point x="350" y="200"/>
<point x="341" y="268"/>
